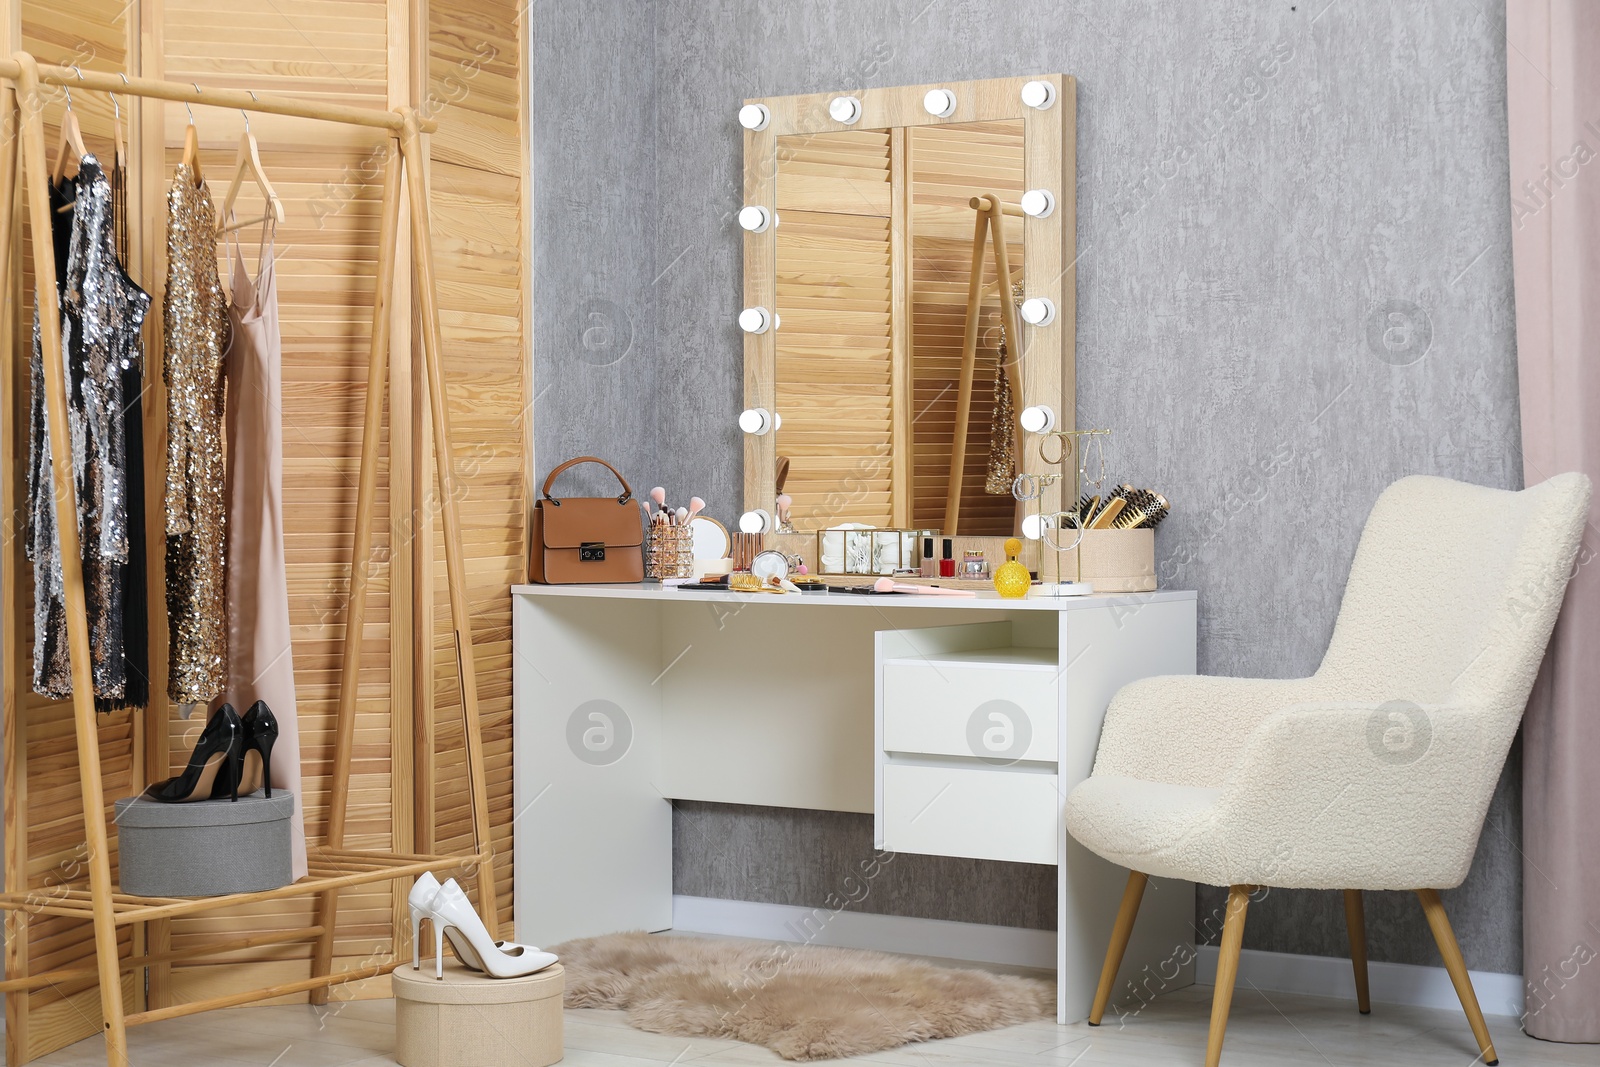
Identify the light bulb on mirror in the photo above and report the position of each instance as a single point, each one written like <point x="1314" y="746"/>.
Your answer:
<point x="1036" y="203"/>
<point x="1038" y="311"/>
<point x="940" y="103"/>
<point x="1038" y="95"/>
<point x="755" y="219"/>
<point x="1034" y="526"/>
<point x="754" y="116"/>
<point x="1041" y="418"/>
<point x="845" y="109"/>
<point x="755" y="320"/>
<point x="757" y="422"/>
<point x="755" y="522"/>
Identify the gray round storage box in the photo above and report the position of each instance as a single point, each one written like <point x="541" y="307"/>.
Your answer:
<point x="204" y="849"/>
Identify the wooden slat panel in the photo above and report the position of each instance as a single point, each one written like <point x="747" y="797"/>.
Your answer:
<point x="329" y="178"/>
<point x="949" y="165"/>
<point x="477" y="198"/>
<point x="834" y="348"/>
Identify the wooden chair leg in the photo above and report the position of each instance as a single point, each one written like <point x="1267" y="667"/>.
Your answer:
<point x="1445" y="937"/>
<point x="1355" y="923"/>
<point x="1120" y="932"/>
<point x="1227" y="970"/>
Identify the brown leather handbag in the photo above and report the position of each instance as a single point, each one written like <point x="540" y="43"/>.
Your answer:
<point x="587" y="539"/>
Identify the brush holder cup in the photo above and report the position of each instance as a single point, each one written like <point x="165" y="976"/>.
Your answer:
<point x="1114" y="561"/>
<point x="669" y="552"/>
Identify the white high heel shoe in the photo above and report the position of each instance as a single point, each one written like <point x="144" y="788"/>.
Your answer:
<point x="420" y="899"/>
<point x="452" y="914"/>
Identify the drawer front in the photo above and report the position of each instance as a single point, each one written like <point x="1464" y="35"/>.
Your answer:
<point x="979" y="812"/>
<point x="989" y="712"/>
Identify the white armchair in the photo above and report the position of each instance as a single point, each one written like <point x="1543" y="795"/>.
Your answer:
<point x="1375" y="772"/>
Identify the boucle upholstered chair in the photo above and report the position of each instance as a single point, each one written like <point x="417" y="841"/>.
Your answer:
<point x="1373" y="773"/>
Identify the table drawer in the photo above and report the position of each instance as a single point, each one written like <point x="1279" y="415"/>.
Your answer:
<point x="978" y="812"/>
<point x="998" y="712"/>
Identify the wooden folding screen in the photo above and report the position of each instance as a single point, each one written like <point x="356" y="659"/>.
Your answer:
<point x="462" y="66"/>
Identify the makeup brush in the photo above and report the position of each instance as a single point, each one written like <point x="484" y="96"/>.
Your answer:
<point x="696" y="506"/>
<point x="680" y="516"/>
<point x="889" y="585"/>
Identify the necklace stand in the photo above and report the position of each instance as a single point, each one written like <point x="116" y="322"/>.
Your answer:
<point x="1039" y="526"/>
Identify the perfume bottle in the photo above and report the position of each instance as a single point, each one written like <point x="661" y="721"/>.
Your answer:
<point x="1011" y="579"/>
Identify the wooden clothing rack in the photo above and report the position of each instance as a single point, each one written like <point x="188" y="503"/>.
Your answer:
<point x="990" y="224"/>
<point x="332" y="867"/>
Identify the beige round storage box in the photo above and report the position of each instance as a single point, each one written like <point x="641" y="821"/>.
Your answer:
<point x="468" y="1019"/>
<point x="1114" y="561"/>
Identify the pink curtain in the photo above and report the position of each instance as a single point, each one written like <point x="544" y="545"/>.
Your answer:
<point x="1553" y="105"/>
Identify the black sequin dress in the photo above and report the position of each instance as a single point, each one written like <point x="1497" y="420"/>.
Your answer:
<point x="102" y="315"/>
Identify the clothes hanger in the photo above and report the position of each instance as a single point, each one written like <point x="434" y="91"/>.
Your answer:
<point x="71" y="140"/>
<point x="119" y="155"/>
<point x="191" y="143"/>
<point x="247" y="164"/>
<point x="119" y="177"/>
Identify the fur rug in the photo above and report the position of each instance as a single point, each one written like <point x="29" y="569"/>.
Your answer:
<point x="800" y="1001"/>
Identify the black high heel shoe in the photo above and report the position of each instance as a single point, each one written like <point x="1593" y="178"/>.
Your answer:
<point x="260" y="734"/>
<point x="214" y="766"/>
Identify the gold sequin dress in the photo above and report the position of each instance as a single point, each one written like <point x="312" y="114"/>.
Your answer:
<point x="1002" y="472"/>
<point x="195" y="321"/>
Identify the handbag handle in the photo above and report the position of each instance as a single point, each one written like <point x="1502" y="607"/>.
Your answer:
<point x="627" y="490"/>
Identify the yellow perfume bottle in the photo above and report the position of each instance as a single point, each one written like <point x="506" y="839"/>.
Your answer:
<point x="1011" y="579"/>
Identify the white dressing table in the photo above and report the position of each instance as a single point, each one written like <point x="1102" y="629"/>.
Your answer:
<point x="960" y="723"/>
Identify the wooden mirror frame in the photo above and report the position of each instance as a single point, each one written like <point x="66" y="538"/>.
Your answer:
<point x="1049" y="248"/>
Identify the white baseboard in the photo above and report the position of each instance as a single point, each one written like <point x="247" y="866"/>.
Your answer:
<point x="1389" y="983"/>
<point x="974" y="942"/>
<point x="1277" y="972"/>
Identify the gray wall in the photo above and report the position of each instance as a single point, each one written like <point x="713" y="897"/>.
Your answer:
<point x="1294" y="287"/>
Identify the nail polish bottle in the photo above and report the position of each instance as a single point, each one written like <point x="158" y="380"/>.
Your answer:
<point x="930" y="563"/>
<point x="947" y="561"/>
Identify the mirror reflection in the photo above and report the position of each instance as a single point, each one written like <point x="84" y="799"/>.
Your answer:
<point x="896" y="395"/>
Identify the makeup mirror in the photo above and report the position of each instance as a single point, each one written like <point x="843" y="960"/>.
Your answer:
<point x="887" y="355"/>
<point x="709" y="538"/>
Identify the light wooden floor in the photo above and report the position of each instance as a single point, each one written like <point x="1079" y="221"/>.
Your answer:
<point x="1266" y="1030"/>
